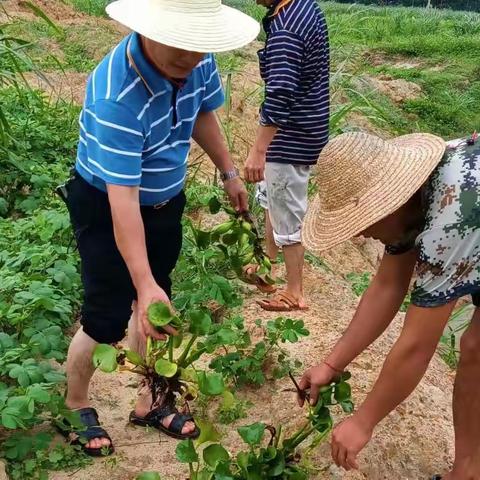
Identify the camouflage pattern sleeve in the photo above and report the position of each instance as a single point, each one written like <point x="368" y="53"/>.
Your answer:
<point x="449" y="247"/>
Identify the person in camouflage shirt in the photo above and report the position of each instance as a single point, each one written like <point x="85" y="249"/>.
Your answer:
<point x="431" y="232"/>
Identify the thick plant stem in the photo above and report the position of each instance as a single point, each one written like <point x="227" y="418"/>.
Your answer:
<point x="181" y="361"/>
<point x="193" y="358"/>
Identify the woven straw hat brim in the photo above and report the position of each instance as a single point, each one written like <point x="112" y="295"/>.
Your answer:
<point x="206" y="32"/>
<point x="419" y="154"/>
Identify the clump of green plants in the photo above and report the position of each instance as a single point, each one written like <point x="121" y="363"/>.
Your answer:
<point x="361" y="281"/>
<point x="168" y="367"/>
<point x="249" y="363"/>
<point x="32" y="456"/>
<point x="449" y="343"/>
<point x="277" y="457"/>
<point x="239" y="240"/>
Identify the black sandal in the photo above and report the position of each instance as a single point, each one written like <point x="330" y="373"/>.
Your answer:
<point x="436" y="477"/>
<point x="89" y="418"/>
<point x="155" y="417"/>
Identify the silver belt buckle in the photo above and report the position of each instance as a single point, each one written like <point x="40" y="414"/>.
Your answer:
<point x="158" y="206"/>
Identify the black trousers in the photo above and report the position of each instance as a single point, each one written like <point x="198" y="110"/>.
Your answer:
<point x="108" y="287"/>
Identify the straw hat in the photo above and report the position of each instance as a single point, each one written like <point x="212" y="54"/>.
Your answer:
<point x="204" y="26"/>
<point x="362" y="179"/>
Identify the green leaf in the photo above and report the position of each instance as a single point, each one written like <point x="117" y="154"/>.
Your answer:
<point x="165" y="368"/>
<point x="252" y="434"/>
<point x="203" y="239"/>
<point x="185" y="452"/>
<point x="200" y="322"/>
<point x="343" y="392"/>
<point x="148" y="476"/>
<point x="228" y="400"/>
<point x="208" y="432"/>
<point x="214" y="205"/>
<point x="347" y="406"/>
<point x="214" y="454"/>
<point x="211" y="384"/>
<point x="105" y="358"/>
<point x="134" y="357"/>
<point x="38" y="394"/>
<point x="9" y="420"/>
<point x="55" y="456"/>
<point x="159" y="314"/>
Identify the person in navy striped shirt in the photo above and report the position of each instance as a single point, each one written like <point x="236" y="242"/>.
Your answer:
<point x="294" y="127"/>
<point x="154" y="92"/>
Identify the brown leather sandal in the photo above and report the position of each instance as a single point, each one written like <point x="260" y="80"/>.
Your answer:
<point x="281" y="302"/>
<point x="251" y="277"/>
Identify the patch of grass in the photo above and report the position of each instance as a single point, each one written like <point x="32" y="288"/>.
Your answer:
<point x="92" y="7"/>
<point x="77" y="48"/>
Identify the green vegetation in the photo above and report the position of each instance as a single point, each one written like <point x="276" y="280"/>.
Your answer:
<point x="92" y="7"/>
<point x="448" y="4"/>
<point x="276" y="459"/>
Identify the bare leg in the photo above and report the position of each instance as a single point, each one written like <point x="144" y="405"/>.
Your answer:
<point x="144" y="402"/>
<point x="272" y="249"/>
<point x="466" y="406"/>
<point x="294" y="260"/>
<point x="80" y="370"/>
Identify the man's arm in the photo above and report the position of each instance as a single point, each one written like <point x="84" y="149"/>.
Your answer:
<point x="130" y="238"/>
<point x="207" y="134"/>
<point x="378" y="306"/>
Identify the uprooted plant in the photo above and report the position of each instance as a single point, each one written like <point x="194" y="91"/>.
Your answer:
<point x="168" y="368"/>
<point x="279" y="458"/>
<point x="238" y="239"/>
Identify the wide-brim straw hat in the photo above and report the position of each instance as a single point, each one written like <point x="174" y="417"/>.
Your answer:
<point x="362" y="179"/>
<point x="204" y="26"/>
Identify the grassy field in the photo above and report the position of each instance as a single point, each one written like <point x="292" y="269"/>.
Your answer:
<point x="437" y="50"/>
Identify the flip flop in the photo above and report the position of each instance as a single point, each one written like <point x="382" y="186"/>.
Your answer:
<point x="154" y="420"/>
<point x="281" y="302"/>
<point x="436" y="477"/>
<point x="251" y="277"/>
<point x="88" y="418"/>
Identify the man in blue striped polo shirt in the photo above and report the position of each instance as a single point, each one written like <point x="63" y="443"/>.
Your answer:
<point x="153" y="93"/>
<point x="294" y="127"/>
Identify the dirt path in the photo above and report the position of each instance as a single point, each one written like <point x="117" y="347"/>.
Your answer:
<point x="412" y="443"/>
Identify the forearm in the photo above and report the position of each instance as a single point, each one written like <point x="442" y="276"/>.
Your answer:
<point x="265" y="136"/>
<point x="129" y="233"/>
<point x="407" y="362"/>
<point x="208" y="135"/>
<point x="376" y="310"/>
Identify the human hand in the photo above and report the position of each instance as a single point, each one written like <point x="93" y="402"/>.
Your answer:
<point x="152" y="293"/>
<point x="348" y="440"/>
<point x="237" y="193"/>
<point x="255" y="166"/>
<point x="315" y="378"/>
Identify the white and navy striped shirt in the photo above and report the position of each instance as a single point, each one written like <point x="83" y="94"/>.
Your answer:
<point x="295" y="65"/>
<point x="136" y="126"/>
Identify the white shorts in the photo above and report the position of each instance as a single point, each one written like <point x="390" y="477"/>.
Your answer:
<point x="284" y="193"/>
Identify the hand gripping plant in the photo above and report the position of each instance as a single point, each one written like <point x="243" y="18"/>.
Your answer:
<point x="278" y="458"/>
<point x="239" y="240"/>
<point x="168" y="367"/>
